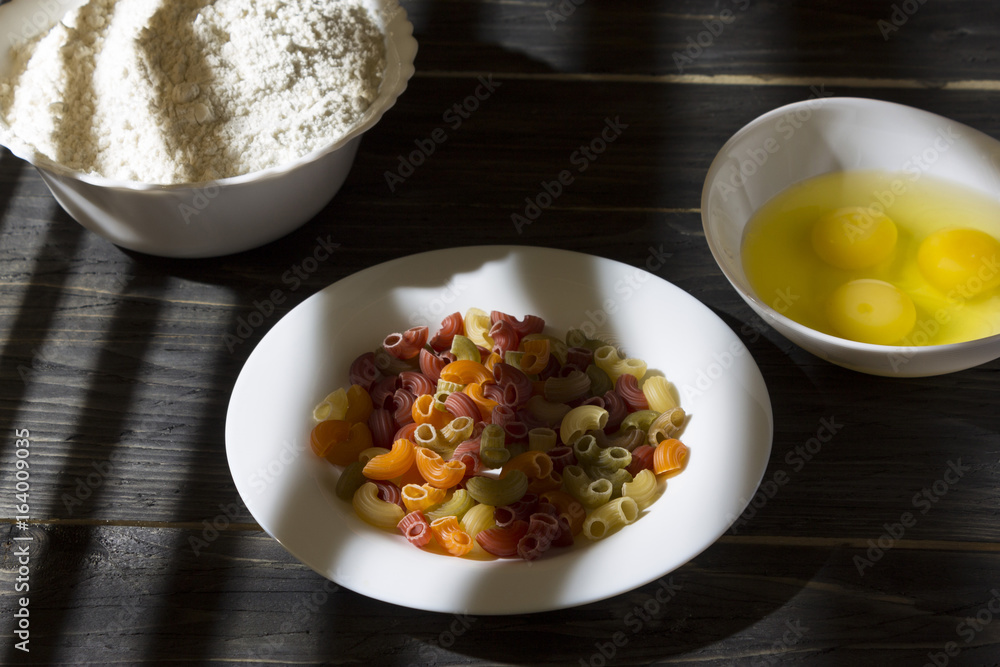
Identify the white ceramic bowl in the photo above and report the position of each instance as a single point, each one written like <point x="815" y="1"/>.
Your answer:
<point x="806" y="139"/>
<point x="215" y="217"/>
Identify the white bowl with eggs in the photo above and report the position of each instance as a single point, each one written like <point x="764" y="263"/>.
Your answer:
<point x="805" y="140"/>
<point x="213" y="217"/>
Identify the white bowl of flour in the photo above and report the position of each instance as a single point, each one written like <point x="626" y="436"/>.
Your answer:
<point x="197" y="128"/>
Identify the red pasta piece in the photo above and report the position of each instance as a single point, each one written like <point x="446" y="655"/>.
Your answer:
<point x="383" y="390"/>
<point x="551" y="369"/>
<point x="416" y="383"/>
<point x="389" y="492"/>
<point x="642" y="459"/>
<point x="503" y="415"/>
<point x="561" y="457"/>
<point x="402" y="403"/>
<point x="406" y="345"/>
<point x="461" y="404"/>
<point x="450" y="327"/>
<point x="502" y="542"/>
<point x="504" y="337"/>
<point x="431" y="364"/>
<point x="531" y="324"/>
<point x="405" y="432"/>
<point x="515" y="386"/>
<point x="617" y="411"/>
<point x="506" y="515"/>
<point x="363" y="371"/>
<point x="542" y="529"/>
<point x="383" y="427"/>
<point x="469" y="458"/>
<point x="627" y="386"/>
<point x="580" y="357"/>
<point x="415" y="528"/>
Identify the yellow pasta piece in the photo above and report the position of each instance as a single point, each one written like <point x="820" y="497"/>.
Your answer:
<point x="581" y="419"/>
<point x="477" y="327"/>
<point x="457" y="431"/>
<point x="426" y="435"/>
<point x="334" y="406"/>
<point x="642" y="489"/>
<point x="393" y="464"/>
<point x="659" y="393"/>
<point x="477" y="519"/>
<point x="456" y="506"/>
<point x="372" y="509"/>
<point x="610" y="517"/>
<point x="422" y="497"/>
<point x="608" y="360"/>
<point x="665" y="426"/>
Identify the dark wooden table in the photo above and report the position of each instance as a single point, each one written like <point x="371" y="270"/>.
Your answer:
<point x="117" y="365"/>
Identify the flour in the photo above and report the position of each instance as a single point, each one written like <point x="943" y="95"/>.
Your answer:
<point x="181" y="91"/>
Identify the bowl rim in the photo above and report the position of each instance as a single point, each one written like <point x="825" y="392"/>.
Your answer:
<point x="400" y="53"/>
<point x="784" y="321"/>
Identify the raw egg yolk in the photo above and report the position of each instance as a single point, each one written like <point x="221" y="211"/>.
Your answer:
<point x="960" y="259"/>
<point x="871" y="311"/>
<point x="854" y="237"/>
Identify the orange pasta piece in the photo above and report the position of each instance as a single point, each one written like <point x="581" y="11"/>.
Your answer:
<point x="465" y="371"/>
<point x="359" y="438"/>
<point x="450" y="535"/>
<point x="328" y="433"/>
<point x="359" y="404"/>
<point x="669" y="455"/>
<point x="393" y="463"/>
<point x="424" y="412"/>
<point x="475" y="391"/>
<point x="534" y="464"/>
<point x="492" y="361"/>
<point x="411" y="476"/>
<point x="540" y="485"/>
<point x="536" y="356"/>
<point x="422" y="496"/>
<point x="438" y="472"/>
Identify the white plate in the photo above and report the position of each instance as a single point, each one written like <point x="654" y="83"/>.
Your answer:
<point x="307" y="354"/>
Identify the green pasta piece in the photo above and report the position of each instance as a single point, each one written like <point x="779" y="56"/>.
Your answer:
<point x="513" y="357"/>
<point x="576" y="338"/>
<point x="586" y="450"/>
<point x="542" y="439"/>
<point x="614" y="458"/>
<point x="617" y="478"/>
<point x="504" y="491"/>
<point x="459" y="503"/>
<point x="350" y="481"/>
<point x="600" y="383"/>
<point x="590" y="493"/>
<point x="640" y="419"/>
<point x="464" y="349"/>
<point x="492" y="453"/>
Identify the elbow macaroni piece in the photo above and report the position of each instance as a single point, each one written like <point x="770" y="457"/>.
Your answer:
<point x="659" y="393"/>
<point x="450" y="535"/>
<point x="609" y="517"/>
<point x="497" y="492"/>
<point x="438" y="472"/>
<point x="393" y="463"/>
<point x="581" y="419"/>
<point x="609" y="361"/>
<point x="374" y="510"/>
<point x="590" y="492"/>
<point x="642" y="489"/>
<point x="665" y="426"/>
<point x="456" y="506"/>
<point x="422" y="497"/>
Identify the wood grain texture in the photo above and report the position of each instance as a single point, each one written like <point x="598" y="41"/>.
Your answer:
<point x="120" y="366"/>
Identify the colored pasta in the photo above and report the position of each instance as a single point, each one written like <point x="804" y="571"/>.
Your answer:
<point x="578" y="435"/>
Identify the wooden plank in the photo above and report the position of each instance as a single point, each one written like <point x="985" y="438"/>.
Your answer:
<point x="127" y="595"/>
<point x="928" y="42"/>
